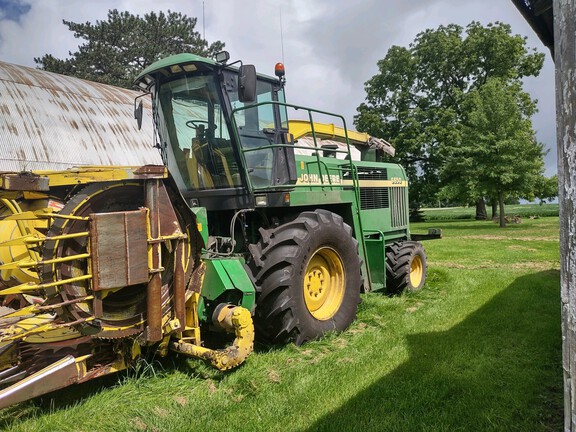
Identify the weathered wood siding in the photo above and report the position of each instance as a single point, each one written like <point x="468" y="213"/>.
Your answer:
<point x="565" y="59"/>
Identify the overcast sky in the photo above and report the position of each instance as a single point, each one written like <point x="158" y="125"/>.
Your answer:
<point x="330" y="48"/>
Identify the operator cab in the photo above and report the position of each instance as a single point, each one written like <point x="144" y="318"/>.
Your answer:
<point x="217" y="125"/>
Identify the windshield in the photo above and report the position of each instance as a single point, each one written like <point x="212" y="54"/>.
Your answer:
<point x="257" y="128"/>
<point x="196" y="134"/>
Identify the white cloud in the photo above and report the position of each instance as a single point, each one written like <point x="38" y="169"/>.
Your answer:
<point x="330" y="48"/>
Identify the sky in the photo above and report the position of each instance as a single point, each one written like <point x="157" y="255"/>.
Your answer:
<point x="330" y="48"/>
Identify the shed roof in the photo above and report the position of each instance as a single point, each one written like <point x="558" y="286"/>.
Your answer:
<point x="50" y="122"/>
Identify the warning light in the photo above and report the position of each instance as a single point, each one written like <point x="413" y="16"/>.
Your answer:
<point x="279" y="70"/>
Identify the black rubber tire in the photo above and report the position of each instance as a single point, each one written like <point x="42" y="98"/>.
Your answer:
<point x="280" y="260"/>
<point x="400" y="258"/>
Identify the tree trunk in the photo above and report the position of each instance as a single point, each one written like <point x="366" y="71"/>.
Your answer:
<point x="565" y="58"/>
<point x="494" y="209"/>
<point x="501" y="205"/>
<point x="481" y="209"/>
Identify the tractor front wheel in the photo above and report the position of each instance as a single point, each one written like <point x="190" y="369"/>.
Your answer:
<point x="308" y="277"/>
<point x="405" y="266"/>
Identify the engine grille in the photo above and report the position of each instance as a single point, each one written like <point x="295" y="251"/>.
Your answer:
<point x="373" y="197"/>
<point x="399" y="207"/>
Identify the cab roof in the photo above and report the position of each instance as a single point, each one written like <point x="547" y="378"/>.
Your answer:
<point x="187" y="62"/>
<point x="184" y="62"/>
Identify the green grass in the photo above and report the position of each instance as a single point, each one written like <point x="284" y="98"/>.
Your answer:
<point x="478" y="349"/>
<point x="523" y="211"/>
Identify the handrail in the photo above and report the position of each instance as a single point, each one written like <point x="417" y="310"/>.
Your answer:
<point x="315" y="148"/>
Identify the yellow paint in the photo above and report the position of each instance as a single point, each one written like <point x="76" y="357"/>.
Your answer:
<point x="13" y="249"/>
<point x="28" y="195"/>
<point x="91" y="174"/>
<point x="240" y="320"/>
<point x="300" y="128"/>
<point x="56" y="335"/>
<point x="25" y="287"/>
<point x="377" y="183"/>
<point x="38" y="324"/>
<point x="324" y="283"/>
<point x="416" y="271"/>
<point x="136" y="350"/>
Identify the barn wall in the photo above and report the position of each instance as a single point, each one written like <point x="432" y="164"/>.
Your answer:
<point x="565" y="59"/>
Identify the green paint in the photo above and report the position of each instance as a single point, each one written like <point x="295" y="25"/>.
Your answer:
<point x="228" y="274"/>
<point x="201" y="222"/>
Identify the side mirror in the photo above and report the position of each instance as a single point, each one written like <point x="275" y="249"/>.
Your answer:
<point x="247" y="83"/>
<point x="138" y="114"/>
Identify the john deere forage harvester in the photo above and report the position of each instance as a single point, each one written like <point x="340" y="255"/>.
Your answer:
<point x="231" y="232"/>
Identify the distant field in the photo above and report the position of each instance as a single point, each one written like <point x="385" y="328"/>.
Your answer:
<point x="524" y="211"/>
<point x="478" y="349"/>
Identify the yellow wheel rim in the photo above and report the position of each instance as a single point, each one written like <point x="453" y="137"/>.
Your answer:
<point x="416" y="271"/>
<point x="324" y="282"/>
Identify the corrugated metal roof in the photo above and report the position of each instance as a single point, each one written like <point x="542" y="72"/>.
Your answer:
<point x="51" y="122"/>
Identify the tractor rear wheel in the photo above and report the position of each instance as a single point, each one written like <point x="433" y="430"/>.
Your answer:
<point x="405" y="266"/>
<point x="308" y="278"/>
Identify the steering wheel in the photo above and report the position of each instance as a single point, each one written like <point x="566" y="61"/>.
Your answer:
<point x="194" y="124"/>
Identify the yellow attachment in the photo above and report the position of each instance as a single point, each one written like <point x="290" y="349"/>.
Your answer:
<point x="416" y="271"/>
<point x="324" y="283"/>
<point x="91" y="174"/>
<point x="300" y="128"/>
<point x="15" y="233"/>
<point x="23" y="288"/>
<point x="236" y="319"/>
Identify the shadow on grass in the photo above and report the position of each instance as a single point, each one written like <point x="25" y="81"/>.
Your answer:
<point x="499" y="369"/>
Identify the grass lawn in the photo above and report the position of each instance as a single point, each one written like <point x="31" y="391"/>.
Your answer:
<point x="478" y="349"/>
<point x="523" y="210"/>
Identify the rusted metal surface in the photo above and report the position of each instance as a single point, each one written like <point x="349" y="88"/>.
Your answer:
<point x="119" y="249"/>
<point x="50" y="122"/>
<point x="23" y="182"/>
<point x="56" y="376"/>
<point x="179" y="286"/>
<point x="154" y="288"/>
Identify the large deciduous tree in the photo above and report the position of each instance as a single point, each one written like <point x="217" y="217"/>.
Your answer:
<point x="117" y="49"/>
<point x="420" y="97"/>
<point x="498" y="155"/>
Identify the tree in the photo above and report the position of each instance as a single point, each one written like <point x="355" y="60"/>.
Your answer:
<point x="416" y="100"/>
<point x="546" y="189"/>
<point x="498" y="155"/>
<point x="117" y="49"/>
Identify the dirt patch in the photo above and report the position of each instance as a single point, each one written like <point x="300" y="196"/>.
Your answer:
<point x="521" y="248"/>
<point x="340" y="343"/>
<point x="274" y="376"/>
<point x="212" y="387"/>
<point x="414" y="308"/>
<point x="161" y="412"/>
<point x="139" y="424"/>
<point x="181" y="400"/>
<point x="522" y="239"/>
<point x="536" y="265"/>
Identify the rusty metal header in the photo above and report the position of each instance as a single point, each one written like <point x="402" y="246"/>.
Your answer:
<point x="53" y="122"/>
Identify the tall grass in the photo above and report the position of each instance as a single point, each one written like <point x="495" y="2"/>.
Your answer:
<point x="478" y="349"/>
